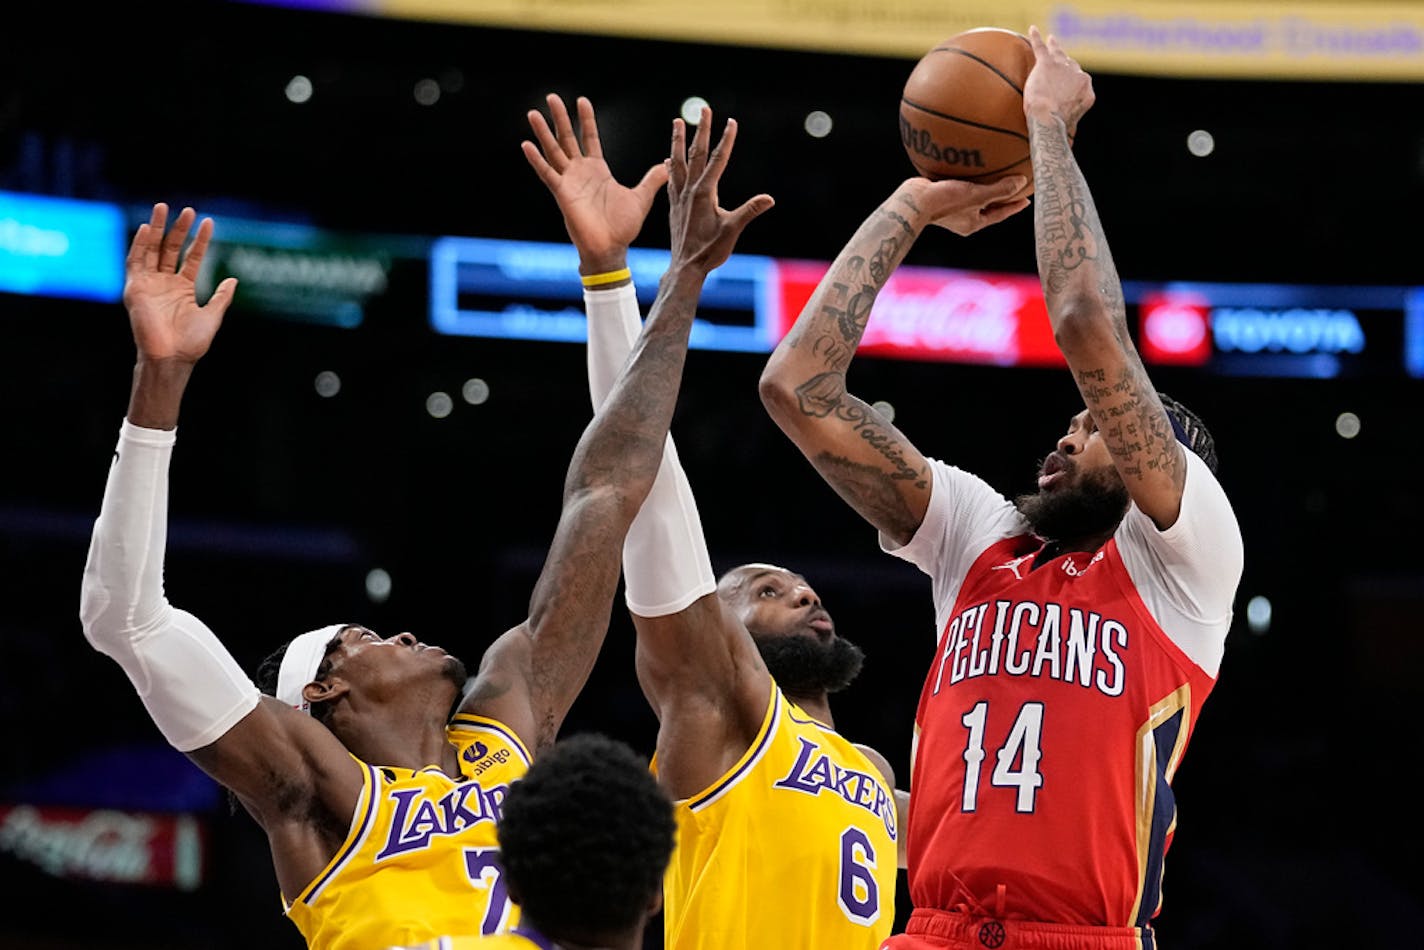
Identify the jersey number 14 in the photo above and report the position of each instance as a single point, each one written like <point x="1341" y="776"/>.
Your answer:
<point x="1016" y="761"/>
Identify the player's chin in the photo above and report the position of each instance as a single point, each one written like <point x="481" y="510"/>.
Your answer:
<point x="453" y="669"/>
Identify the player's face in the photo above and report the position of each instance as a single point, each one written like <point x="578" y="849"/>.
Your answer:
<point x="773" y="602"/>
<point x="1080" y="454"/>
<point x="793" y="632"/>
<point x="1080" y="492"/>
<point x="365" y="658"/>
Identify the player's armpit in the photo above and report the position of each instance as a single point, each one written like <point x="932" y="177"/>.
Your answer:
<point x="500" y="689"/>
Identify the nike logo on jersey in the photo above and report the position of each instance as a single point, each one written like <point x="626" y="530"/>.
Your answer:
<point x="1014" y="565"/>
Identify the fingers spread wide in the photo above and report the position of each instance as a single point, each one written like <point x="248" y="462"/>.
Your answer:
<point x="588" y="128"/>
<point x="677" y="155"/>
<point x="173" y="241"/>
<point x="563" y="126"/>
<point x="193" y="260"/>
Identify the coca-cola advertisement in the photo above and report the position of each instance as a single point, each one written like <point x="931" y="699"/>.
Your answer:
<point x="930" y="313"/>
<point x="109" y="845"/>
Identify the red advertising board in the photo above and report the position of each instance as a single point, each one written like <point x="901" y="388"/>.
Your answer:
<point x="930" y="313"/>
<point x="1175" y="328"/>
<point x="103" y="844"/>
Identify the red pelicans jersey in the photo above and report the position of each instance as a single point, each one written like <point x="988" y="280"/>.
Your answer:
<point x="1060" y="702"/>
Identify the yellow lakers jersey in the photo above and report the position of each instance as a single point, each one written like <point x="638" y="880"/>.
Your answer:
<point x="421" y="858"/>
<point x="794" y="847"/>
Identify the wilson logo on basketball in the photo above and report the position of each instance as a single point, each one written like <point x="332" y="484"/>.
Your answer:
<point x="922" y="143"/>
<point x="962" y="109"/>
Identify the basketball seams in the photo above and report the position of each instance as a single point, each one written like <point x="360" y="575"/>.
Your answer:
<point x="982" y="62"/>
<point x="954" y="118"/>
<point x="939" y="141"/>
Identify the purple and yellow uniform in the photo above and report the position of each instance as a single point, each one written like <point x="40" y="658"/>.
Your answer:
<point x="795" y="846"/>
<point x="431" y="838"/>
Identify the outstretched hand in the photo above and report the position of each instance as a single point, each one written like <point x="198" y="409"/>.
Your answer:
<point x="602" y="216"/>
<point x="1056" y="85"/>
<point x="160" y="295"/>
<point x="703" y="233"/>
<point x="965" y="206"/>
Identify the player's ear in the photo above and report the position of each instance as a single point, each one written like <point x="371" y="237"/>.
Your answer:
<point x="655" y="904"/>
<point x="325" y="690"/>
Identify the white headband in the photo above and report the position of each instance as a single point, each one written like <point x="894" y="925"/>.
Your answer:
<point x="299" y="664"/>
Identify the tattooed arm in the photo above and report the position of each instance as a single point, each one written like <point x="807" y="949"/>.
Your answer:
<point x="1084" y="294"/>
<point x="531" y="675"/>
<point x="858" y="452"/>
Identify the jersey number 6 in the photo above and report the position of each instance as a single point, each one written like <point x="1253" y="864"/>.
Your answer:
<point x="859" y="896"/>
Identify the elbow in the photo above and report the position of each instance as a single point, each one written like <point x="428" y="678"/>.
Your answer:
<point x="1081" y="323"/>
<point x="777" y="395"/>
<point x="608" y="502"/>
<point x="101" y="615"/>
<point x="110" y="616"/>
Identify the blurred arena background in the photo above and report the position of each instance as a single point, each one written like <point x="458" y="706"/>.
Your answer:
<point x="381" y="431"/>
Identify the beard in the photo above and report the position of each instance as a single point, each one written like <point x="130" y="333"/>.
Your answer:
<point x="1091" y="507"/>
<point x="802" y="665"/>
<point x="454" y="671"/>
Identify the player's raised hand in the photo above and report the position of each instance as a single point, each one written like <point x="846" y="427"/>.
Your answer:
<point x="159" y="289"/>
<point x="703" y="233"/>
<point x="1056" y="85"/>
<point x="602" y="216"/>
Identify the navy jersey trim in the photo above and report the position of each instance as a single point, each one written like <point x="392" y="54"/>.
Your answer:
<point x="1164" y="817"/>
<point x="749" y="763"/>
<point x="373" y="782"/>
<point x="470" y="721"/>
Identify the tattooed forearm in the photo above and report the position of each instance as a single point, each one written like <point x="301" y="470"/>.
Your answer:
<point x="899" y="219"/>
<point x="883" y="261"/>
<point x="866" y="489"/>
<point x="882" y="437"/>
<point x="819" y="395"/>
<point x="1134" y="426"/>
<point x="825" y="395"/>
<point x="888" y="446"/>
<point x="833" y="350"/>
<point x="847" y="294"/>
<point x="856" y="316"/>
<point x="1069" y="235"/>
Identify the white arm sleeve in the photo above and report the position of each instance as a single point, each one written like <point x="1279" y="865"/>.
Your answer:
<point x="192" y="687"/>
<point x="665" y="562"/>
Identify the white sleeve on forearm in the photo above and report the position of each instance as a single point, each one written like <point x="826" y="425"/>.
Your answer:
<point x="665" y="562"/>
<point x="191" y="685"/>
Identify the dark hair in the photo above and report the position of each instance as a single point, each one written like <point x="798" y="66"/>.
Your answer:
<point x="1191" y="431"/>
<point x="271" y="666"/>
<point x="267" y="670"/>
<point x="585" y="837"/>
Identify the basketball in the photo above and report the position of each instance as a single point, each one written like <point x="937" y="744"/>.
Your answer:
<point x="961" y="114"/>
